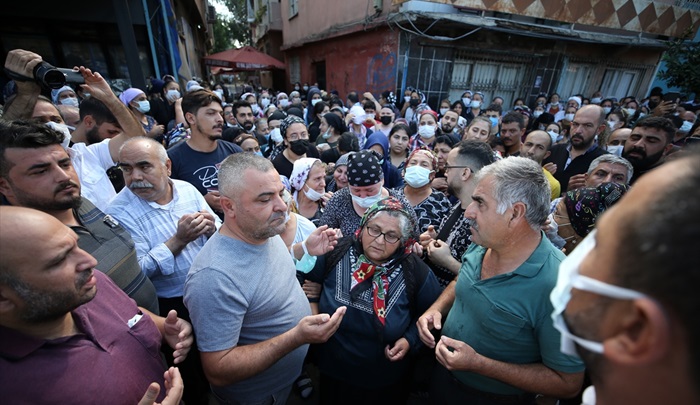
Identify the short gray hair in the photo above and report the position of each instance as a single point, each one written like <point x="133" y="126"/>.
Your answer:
<point x="161" y="153"/>
<point x="612" y="159"/>
<point x="233" y="169"/>
<point x="519" y="179"/>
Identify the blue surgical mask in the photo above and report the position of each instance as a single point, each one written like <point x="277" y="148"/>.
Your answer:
<point x="494" y="121"/>
<point x="417" y="176"/>
<point x="314" y="101"/>
<point x="607" y="110"/>
<point x="259" y="153"/>
<point x="427" y="131"/>
<point x="327" y="134"/>
<point x="366" y="202"/>
<point x="172" y="95"/>
<point x="685" y="128"/>
<point x="569" y="278"/>
<point x="615" y="149"/>
<point x="143" y="106"/>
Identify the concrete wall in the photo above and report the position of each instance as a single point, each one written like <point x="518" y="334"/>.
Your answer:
<point x="319" y="18"/>
<point x="363" y="61"/>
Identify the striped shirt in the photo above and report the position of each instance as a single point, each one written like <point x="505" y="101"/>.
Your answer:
<point x="151" y="225"/>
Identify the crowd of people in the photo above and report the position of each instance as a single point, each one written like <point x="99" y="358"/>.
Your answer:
<point x="469" y="253"/>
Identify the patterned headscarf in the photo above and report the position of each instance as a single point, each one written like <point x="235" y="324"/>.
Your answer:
<point x="425" y="152"/>
<point x="300" y="174"/>
<point x="365" y="168"/>
<point x="287" y="122"/>
<point x="584" y="205"/>
<point x="365" y="270"/>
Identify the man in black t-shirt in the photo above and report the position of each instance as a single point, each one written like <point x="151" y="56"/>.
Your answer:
<point x="197" y="160"/>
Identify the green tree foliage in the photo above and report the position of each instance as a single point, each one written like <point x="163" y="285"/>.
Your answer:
<point x="682" y="65"/>
<point x="232" y="31"/>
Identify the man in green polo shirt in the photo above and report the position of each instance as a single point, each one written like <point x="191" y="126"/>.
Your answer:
<point x="498" y="343"/>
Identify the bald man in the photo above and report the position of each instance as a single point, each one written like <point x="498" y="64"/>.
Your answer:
<point x="64" y="341"/>
<point x="538" y="146"/>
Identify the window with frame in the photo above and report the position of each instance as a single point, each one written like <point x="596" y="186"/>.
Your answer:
<point x="293" y="8"/>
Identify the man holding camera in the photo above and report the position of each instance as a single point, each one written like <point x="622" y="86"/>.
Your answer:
<point x="100" y="152"/>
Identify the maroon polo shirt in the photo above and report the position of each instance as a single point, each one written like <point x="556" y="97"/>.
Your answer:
<point x="109" y="362"/>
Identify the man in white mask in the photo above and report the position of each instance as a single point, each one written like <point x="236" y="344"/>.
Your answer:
<point x="498" y="344"/>
<point x="626" y="299"/>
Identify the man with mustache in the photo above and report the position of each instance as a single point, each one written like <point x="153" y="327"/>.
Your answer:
<point x="170" y="222"/>
<point x="648" y="144"/>
<point x="69" y="335"/>
<point x="197" y="160"/>
<point x="37" y="172"/>
<point x="576" y="156"/>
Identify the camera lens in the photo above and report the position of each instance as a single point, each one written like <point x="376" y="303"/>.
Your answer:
<point x="49" y="76"/>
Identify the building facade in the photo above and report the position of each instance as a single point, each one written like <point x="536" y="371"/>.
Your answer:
<point x="509" y="48"/>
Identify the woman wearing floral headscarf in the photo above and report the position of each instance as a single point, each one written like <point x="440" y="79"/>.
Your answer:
<point x="577" y="211"/>
<point x="385" y="288"/>
<point x="309" y="188"/>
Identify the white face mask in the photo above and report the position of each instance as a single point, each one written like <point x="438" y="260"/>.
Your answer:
<point x="417" y="176"/>
<point x="275" y="135"/>
<point x="366" y="202"/>
<point x="284" y="102"/>
<point x="475" y="104"/>
<point x="467" y="101"/>
<point x="255" y="108"/>
<point x="219" y="93"/>
<point x="607" y="110"/>
<point x="536" y="114"/>
<point x="357" y="120"/>
<point x="407" y="98"/>
<point x="686" y="127"/>
<point x="553" y="135"/>
<point x="426" y="131"/>
<point x="596" y="100"/>
<point x="62" y="128"/>
<point x="444" y="111"/>
<point x="612" y="124"/>
<point x="631" y="111"/>
<point x="70" y="101"/>
<point x="315" y="100"/>
<point x="172" y="95"/>
<point x="569" y="278"/>
<point x="312" y="194"/>
<point x="569" y="117"/>
<point x="265" y="102"/>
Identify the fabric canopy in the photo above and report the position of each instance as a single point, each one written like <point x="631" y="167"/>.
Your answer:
<point x="246" y="58"/>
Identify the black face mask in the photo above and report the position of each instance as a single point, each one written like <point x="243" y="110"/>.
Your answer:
<point x="385" y="119"/>
<point x="299" y="147"/>
<point x="414" y="102"/>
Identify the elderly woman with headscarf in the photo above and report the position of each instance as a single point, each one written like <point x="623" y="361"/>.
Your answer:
<point x="577" y="211"/>
<point x="330" y="129"/>
<point x="137" y="102"/>
<point x="309" y="188"/>
<point x="365" y="187"/>
<point x="385" y="288"/>
<point x="430" y="205"/>
<point x="339" y="178"/>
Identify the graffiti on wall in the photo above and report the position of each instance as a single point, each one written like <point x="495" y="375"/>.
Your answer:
<point x="381" y="72"/>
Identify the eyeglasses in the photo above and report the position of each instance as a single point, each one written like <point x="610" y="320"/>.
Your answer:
<point x="448" y="167"/>
<point x="376" y="232"/>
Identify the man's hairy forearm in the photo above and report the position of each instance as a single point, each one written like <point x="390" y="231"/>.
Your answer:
<point x="22" y="106"/>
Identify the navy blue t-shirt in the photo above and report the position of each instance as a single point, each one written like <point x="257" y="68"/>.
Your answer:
<point x="200" y="168"/>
